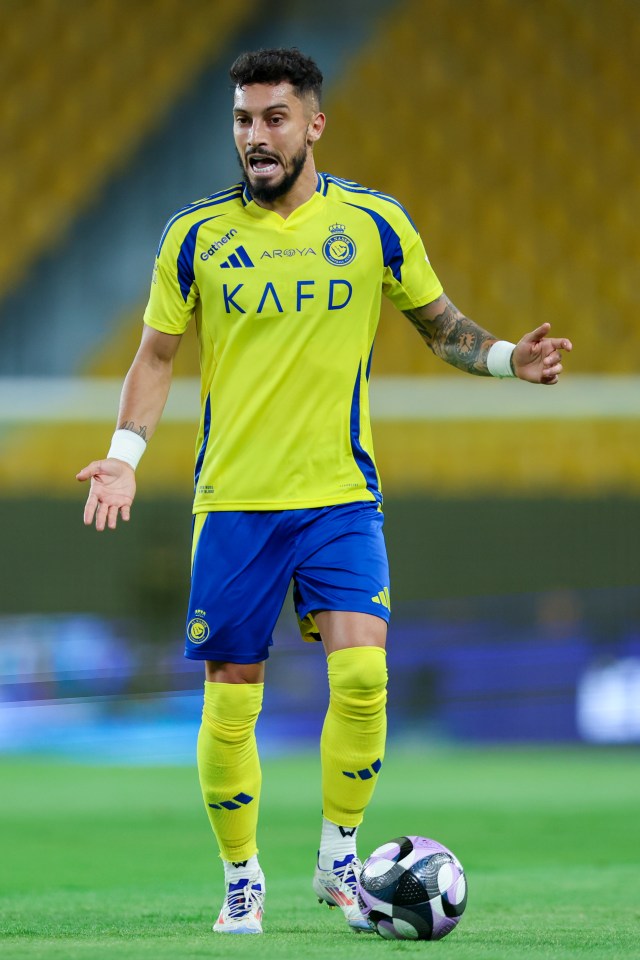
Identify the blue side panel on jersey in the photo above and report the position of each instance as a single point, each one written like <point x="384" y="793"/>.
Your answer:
<point x="186" y="274"/>
<point x="205" y="440"/>
<point x="392" y="254"/>
<point x="214" y="200"/>
<point x="368" y="372"/>
<point x="360" y="455"/>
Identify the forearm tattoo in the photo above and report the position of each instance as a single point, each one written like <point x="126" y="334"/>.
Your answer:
<point x="130" y="425"/>
<point x="454" y="338"/>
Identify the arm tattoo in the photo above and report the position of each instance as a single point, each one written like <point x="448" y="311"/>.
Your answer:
<point x="130" y="425"/>
<point x="454" y="338"/>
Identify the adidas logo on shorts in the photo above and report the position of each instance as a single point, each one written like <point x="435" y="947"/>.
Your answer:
<point x="383" y="598"/>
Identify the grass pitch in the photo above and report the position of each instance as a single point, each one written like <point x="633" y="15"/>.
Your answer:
<point x="111" y="862"/>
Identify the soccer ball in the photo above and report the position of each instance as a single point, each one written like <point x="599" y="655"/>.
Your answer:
<point x="412" y="888"/>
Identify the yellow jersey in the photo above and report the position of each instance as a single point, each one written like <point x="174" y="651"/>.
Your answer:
<point x="286" y="314"/>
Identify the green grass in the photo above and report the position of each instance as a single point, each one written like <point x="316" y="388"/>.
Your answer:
<point x="118" y="862"/>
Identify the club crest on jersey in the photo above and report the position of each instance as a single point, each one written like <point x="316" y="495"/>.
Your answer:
<point x="338" y="249"/>
<point x="198" y="629"/>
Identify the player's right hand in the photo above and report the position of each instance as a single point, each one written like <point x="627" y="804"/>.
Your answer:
<point x="113" y="487"/>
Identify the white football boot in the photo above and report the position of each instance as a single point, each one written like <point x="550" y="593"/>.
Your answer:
<point x="338" y="888"/>
<point x="243" y="906"/>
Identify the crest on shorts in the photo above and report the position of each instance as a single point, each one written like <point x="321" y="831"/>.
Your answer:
<point x="338" y="249"/>
<point x="198" y="630"/>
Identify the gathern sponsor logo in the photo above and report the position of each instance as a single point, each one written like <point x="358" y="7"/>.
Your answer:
<point x="338" y="249"/>
<point x="218" y="244"/>
<point x="289" y="252"/>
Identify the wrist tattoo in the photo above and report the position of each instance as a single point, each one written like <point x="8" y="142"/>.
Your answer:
<point x="130" y="425"/>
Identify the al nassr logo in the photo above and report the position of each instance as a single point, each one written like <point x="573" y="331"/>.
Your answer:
<point x="338" y="249"/>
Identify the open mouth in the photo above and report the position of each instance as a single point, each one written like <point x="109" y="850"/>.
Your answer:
<point x="262" y="165"/>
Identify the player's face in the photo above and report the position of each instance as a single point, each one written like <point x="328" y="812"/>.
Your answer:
<point x="273" y="129"/>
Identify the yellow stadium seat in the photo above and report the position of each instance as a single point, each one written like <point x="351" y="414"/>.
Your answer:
<point x="83" y="84"/>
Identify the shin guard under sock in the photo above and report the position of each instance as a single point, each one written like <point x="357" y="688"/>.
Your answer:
<point x="353" y="736"/>
<point x="229" y="767"/>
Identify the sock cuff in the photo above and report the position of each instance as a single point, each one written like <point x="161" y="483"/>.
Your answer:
<point x="240" y="869"/>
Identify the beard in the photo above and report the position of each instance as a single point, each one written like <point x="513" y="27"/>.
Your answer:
<point x="267" y="192"/>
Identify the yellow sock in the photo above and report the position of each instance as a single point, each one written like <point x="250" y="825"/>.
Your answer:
<point x="229" y="767"/>
<point x="353" y="736"/>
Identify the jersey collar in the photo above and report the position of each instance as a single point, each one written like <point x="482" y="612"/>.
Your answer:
<point x="302" y="213"/>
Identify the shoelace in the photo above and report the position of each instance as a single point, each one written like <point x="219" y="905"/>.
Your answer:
<point x="347" y="875"/>
<point x="241" y="900"/>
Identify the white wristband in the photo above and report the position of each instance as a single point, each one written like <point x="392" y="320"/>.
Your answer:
<point x="127" y="446"/>
<point x="499" y="359"/>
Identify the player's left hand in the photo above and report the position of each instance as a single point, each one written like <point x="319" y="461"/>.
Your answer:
<point x="538" y="358"/>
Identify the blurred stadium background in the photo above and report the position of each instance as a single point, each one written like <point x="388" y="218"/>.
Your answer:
<point x="509" y="129"/>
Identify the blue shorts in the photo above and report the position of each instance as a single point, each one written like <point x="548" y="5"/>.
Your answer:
<point x="243" y="563"/>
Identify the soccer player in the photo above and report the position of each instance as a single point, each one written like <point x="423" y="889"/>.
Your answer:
<point x="283" y="274"/>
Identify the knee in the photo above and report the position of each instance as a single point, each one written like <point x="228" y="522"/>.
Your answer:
<point x="232" y="709"/>
<point x="217" y="671"/>
<point x="358" y="676"/>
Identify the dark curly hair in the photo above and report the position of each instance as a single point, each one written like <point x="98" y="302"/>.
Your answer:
<point x="276" y="65"/>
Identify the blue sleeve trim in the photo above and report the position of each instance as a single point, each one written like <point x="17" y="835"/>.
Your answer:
<point x="392" y="253"/>
<point x="350" y="186"/>
<point x="224" y="196"/>
<point x="186" y="270"/>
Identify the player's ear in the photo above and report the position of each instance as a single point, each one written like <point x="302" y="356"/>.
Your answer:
<point x="315" y="128"/>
